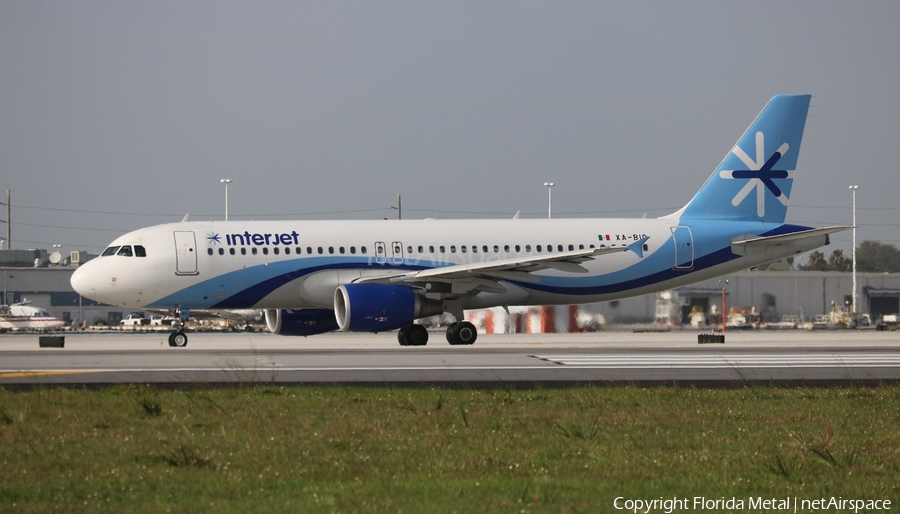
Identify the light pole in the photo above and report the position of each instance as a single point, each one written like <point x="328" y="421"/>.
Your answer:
<point x="724" y="284"/>
<point x="853" y="254"/>
<point x="226" y="181"/>
<point x="549" y="186"/>
<point x="399" y="208"/>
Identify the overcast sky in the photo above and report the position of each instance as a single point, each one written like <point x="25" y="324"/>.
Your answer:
<point x="119" y="115"/>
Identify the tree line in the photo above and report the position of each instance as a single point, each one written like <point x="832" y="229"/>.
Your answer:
<point x="871" y="257"/>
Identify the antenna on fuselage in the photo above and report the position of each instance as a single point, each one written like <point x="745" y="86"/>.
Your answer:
<point x="185" y="219"/>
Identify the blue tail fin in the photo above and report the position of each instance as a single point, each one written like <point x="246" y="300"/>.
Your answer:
<point x="753" y="182"/>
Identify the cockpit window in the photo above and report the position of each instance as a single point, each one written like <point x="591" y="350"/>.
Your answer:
<point x="125" y="251"/>
<point x="110" y="251"/>
<point x="139" y="251"/>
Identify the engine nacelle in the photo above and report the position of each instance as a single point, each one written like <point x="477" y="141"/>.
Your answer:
<point x="301" y="322"/>
<point x="380" y="307"/>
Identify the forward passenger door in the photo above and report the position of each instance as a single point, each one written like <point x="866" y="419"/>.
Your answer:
<point x="185" y="253"/>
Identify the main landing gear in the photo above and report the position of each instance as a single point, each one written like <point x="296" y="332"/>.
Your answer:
<point x="461" y="333"/>
<point x="457" y="333"/>
<point x="413" y="335"/>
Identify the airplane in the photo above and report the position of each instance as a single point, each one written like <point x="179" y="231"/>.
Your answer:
<point x="312" y="277"/>
<point x="22" y="316"/>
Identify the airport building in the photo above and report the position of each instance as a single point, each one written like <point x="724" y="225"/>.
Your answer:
<point x="29" y="275"/>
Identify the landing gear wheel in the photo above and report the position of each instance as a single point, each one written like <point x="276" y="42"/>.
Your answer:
<point x="461" y="333"/>
<point x="417" y="335"/>
<point x="413" y="335"/>
<point x="178" y="339"/>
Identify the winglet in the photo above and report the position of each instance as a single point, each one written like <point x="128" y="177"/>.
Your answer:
<point x="638" y="246"/>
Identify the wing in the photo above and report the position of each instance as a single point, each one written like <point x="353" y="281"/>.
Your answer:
<point x="483" y="276"/>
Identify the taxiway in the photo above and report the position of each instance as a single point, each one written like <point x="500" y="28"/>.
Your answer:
<point x="791" y="357"/>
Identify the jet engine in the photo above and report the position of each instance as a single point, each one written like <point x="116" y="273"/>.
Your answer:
<point x="380" y="307"/>
<point x="300" y="322"/>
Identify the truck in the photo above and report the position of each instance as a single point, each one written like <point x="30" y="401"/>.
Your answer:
<point x="888" y="322"/>
<point x="134" y="319"/>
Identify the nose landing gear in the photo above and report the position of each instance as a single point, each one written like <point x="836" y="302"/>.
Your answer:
<point x="178" y="338"/>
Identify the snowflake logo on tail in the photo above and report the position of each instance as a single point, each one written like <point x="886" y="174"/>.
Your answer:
<point x="759" y="175"/>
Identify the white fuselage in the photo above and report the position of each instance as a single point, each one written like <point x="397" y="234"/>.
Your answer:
<point x="299" y="264"/>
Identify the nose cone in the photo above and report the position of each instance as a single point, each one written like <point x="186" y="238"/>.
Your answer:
<point x="84" y="282"/>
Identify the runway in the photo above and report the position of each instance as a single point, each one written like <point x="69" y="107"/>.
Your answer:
<point x="783" y="357"/>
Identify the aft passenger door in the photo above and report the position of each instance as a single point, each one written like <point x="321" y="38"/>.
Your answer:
<point x="185" y="253"/>
<point x="684" y="248"/>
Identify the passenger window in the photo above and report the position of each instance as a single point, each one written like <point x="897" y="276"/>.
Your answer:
<point x="527" y="248"/>
<point x="581" y="247"/>
<point x="341" y="250"/>
<point x="287" y="250"/>
<point x="592" y="246"/>
<point x="363" y="250"/>
<point x="320" y="250"/>
<point x="484" y="248"/>
<point x="518" y="248"/>
<point x="409" y="249"/>
<point x="331" y="250"/>
<point x="297" y="250"/>
<point x="538" y="248"/>
<point x="209" y="251"/>
<point x="452" y="248"/>
<point x="474" y="249"/>
<point x="109" y="251"/>
<point x="125" y="251"/>
<point x="442" y="249"/>
<point x="221" y="251"/>
<point x="276" y="251"/>
<point x="497" y="249"/>
<point x="421" y="249"/>
<point x="254" y="251"/>
<point x="352" y="250"/>
<point x="231" y="251"/>
<point x="243" y="251"/>
<point x="265" y="250"/>
<point x="139" y="251"/>
<point x="309" y="250"/>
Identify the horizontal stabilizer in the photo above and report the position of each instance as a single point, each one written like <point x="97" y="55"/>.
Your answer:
<point x="785" y="238"/>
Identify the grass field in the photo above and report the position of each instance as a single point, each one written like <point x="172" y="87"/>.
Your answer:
<point x="304" y="449"/>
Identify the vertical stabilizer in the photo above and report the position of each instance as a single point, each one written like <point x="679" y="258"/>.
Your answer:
<point x="753" y="182"/>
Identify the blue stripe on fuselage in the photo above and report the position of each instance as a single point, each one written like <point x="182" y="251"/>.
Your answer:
<point x="245" y="288"/>
<point x="551" y="286"/>
<point x="255" y="283"/>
